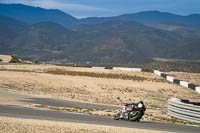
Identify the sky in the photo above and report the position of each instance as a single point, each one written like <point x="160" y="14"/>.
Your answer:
<point x="105" y="8"/>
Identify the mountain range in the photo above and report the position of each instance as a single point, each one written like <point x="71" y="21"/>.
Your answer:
<point x="52" y="35"/>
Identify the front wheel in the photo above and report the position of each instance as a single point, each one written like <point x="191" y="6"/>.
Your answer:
<point x="134" y="116"/>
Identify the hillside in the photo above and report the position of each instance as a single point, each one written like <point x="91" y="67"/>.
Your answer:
<point x="149" y="18"/>
<point x="190" y="49"/>
<point x="126" y="41"/>
<point x="184" y="31"/>
<point x="120" y="40"/>
<point x="10" y="29"/>
<point x="33" y="41"/>
<point x="32" y="15"/>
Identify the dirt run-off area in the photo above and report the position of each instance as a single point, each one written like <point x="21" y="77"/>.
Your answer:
<point x="16" y="125"/>
<point x="95" y="86"/>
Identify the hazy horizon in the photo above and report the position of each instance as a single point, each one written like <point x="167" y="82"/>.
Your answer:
<point x="108" y="8"/>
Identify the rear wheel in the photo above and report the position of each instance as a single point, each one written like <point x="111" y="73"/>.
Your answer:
<point x="117" y="116"/>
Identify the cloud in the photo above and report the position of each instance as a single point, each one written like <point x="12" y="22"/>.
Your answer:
<point x="105" y="8"/>
<point x="57" y="4"/>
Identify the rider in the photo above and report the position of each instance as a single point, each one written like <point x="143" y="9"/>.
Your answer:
<point x="130" y="107"/>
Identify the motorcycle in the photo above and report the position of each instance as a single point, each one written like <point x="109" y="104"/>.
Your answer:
<point x="131" y="112"/>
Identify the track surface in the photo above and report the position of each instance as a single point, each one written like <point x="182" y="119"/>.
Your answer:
<point x="23" y="112"/>
<point x="53" y="102"/>
<point x="32" y="113"/>
<point x="70" y="104"/>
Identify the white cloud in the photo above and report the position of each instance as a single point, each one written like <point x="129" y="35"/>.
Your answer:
<point x="56" y="4"/>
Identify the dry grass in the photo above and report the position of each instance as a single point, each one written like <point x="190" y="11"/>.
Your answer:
<point x="189" y="77"/>
<point x="15" y="125"/>
<point x="98" y="75"/>
<point x="75" y="71"/>
<point x="153" y="91"/>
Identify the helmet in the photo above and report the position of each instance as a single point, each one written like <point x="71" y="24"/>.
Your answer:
<point x="140" y="105"/>
<point x="141" y="102"/>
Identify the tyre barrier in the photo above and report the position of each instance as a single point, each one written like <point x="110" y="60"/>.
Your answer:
<point x="184" y="109"/>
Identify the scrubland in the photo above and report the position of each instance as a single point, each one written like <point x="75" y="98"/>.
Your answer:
<point x="95" y="86"/>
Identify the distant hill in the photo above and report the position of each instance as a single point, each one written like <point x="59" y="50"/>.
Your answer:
<point x="191" y="37"/>
<point x="149" y="18"/>
<point x="117" y="41"/>
<point x="33" y="15"/>
<point x="12" y="26"/>
<point x="42" y="40"/>
<point x="155" y="17"/>
<point x="187" y="33"/>
<point x="111" y="40"/>
<point x="10" y="29"/>
<point x="188" y="51"/>
<point x="126" y="40"/>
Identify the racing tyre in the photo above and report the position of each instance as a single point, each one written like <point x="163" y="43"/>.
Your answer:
<point x="134" y="116"/>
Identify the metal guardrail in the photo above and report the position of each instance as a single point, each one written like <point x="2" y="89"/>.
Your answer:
<point x="184" y="110"/>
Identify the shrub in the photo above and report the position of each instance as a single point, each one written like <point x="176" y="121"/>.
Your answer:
<point x="14" y="59"/>
<point x="36" y="61"/>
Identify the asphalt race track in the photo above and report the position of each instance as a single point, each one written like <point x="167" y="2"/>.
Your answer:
<point x="44" y="114"/>
<point x="23" y="112"/>
<point x="54" y="102"/>
<point x="69" y="104"/>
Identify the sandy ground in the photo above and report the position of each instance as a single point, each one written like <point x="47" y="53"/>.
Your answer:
<point x="154" y="91"/>
<point x="44" y="68"/>
<point x="5" y="58"/>
<point x="189" y="77"/>
<point x="15" y="125"/>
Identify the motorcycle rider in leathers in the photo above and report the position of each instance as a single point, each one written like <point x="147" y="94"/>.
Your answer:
<point x="129" y="107"/>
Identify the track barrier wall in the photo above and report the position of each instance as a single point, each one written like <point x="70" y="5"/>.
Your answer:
<point x="179" y="82"/>
<point x="197" y="89"/>
<point x="159" y="73"/>
<point x="170" y="79"/>
<point x="184" y="84"/>
<point x="127" y="69"/>
<point x="98" y="67"/>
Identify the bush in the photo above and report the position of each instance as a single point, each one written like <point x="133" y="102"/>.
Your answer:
<point x="35" y="61"/>
<point x="14" y="59"/>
